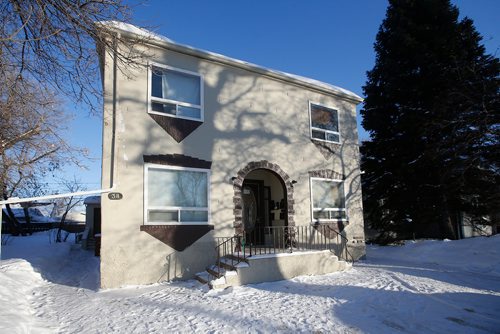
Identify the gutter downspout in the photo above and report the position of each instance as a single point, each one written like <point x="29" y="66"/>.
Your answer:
<point x="113" y="126"/>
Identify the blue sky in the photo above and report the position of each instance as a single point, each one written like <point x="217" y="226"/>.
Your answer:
<point x="327" y="40"/>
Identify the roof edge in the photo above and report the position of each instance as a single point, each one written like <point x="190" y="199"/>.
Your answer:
<point x="131" y="31"/>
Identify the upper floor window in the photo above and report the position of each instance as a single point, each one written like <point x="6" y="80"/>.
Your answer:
<point x="176" y="195"/>
<point x="324" y="123"/>
<point x="328" y="200"/>
<point x="176" y="92"/>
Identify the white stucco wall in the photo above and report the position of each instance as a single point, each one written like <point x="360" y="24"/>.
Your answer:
<point x="247" y="117"/>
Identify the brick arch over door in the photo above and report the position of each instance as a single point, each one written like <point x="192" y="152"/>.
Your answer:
<point x="238" y="183"/>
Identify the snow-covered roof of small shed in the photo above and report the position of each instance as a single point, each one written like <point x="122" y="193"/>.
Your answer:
<point x="163" y="41"/>
<point x="92" y="200"/>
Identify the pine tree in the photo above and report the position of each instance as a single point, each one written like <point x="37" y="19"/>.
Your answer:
<point x="432" y="110"/>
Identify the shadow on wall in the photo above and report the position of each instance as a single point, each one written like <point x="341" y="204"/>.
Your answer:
<point x="174" y="269"/>
<point x="249" y="118"/>
<point x="252" y="125"/>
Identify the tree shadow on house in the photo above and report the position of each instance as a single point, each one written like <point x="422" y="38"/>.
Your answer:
<point x="248" y="117"/>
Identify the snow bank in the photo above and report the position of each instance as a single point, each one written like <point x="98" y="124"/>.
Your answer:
<point x="18" y="279"/>
<point x="38" y="248"/>
<point x="480" y="254"/>
<point x="30" y="264"/>
<point x="422" y="287"/>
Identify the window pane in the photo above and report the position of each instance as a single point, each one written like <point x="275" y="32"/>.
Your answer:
<point x="156" y="90"/>
<point x="321" y="215"/>
<point x="337" y="215"/>
<point x="327" y="194"/>
<point x="324" y="118"/>
<point x="166" y="108"/>
<point x="318" y="134"/>
<point x="176" y="86"/>
<point x="332" y="137"/>
<point x="158" y="216"/>
<point x="189" y="112"/>
<point x="177" y="188"/>
<point x="194" y="216"/>
<point x="326" y="214"/>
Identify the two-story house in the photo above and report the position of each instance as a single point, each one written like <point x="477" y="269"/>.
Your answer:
<point x="212" y="155"/>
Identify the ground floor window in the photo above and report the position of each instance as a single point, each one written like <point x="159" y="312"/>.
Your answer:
<point x="176" y="195"/>
<point x="328" y="200"/>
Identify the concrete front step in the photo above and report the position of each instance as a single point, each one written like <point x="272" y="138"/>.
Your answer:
<point x="203" y="277"/>
<point x="232" y="263"/>
<point x="271" y="267"/>
<point x="237" y="257"/>
<point x="222" y="275"/>
<point x="213" y="282"/>
<point x="216" y="271"/>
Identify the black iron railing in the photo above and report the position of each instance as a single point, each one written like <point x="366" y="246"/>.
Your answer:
<point x="230" y="252"/>
<point x="279" y="239"/>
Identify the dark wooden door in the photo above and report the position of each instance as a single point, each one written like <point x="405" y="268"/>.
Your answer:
<point x="255" y="230"/>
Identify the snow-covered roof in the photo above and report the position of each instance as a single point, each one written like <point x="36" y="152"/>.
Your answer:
<point x="162" y="41"/>
<point x="92" y="200"/>
<point x="130" y="28"/>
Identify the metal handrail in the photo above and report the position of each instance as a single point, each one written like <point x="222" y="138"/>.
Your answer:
<point x="347" y="256"/>
<point x="280" y="239"/>
<point x="229" y="245"/>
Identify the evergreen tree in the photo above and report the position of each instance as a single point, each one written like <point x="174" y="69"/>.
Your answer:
<point x="432" y="110"/>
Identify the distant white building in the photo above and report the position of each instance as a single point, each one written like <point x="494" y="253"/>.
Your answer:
<point x="469" y="227"/>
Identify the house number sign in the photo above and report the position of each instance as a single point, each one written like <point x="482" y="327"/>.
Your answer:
<point x="115" y="196"/>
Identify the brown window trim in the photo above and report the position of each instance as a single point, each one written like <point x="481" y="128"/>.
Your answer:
<point x="179" y="237"/>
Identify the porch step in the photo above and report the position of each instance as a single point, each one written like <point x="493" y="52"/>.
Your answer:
<point x="203" y="277"/>
<point x="221" y="275"/>
<point x="235" y="257"/>
<point x="231" y="263"/>
<point x="229" y="273"/>
<point x="216" y="271"/>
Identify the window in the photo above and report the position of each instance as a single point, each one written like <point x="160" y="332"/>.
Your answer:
<point x="176" y="195"/>
<point x="328" y="199"/>
<point x="324" y="123"/>
<point x="176" y="93"/>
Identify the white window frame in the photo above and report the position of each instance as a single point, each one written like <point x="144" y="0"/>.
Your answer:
<point x="152" y="98"/>
<point x="147" y="166"/>
<point x="311" y="128"/>
<point x="313" y="209"/>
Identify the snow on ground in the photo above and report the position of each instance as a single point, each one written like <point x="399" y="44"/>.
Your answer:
<point x="422" y="287"/>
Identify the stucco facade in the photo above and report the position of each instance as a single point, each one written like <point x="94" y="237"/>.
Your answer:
<point x="250" y="118"/>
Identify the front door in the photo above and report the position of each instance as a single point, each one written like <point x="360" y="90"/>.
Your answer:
<point x="253" y="211"/>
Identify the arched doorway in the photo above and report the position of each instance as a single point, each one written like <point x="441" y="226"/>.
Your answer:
<point x="263" y="199"/>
